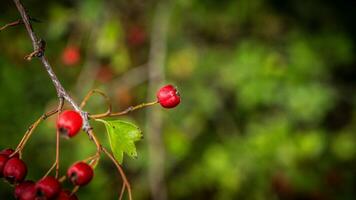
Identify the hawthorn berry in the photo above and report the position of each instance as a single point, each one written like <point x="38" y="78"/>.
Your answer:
<point x="80" y="173"/>
<point x="47" y="188"/>
<point x="25" y="191"/>
<point x="3" y="160"/>
<point x="69" y="123"/>
<point x="71" y="55"/>
<point x="4" y="156"/>
<point x="15" y="170"/>
<point x="66" y="195"/>
<point x="168" y="96"/>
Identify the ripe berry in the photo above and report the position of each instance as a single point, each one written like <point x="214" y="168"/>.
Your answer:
<point x="3" y="160"/>
<point x="168" y="96"/>
<point x="8" y="152"/>
<point x="80" y="173"/>
<point x="66" y="195"/>
<point x="69" y="123"/>
<point x="15" y="170"/>
<point x="71" y="55"/>
<point x="25" y="191"/>
<point x="47" y="188"/>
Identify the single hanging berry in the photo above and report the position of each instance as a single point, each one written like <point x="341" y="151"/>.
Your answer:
<point x="25" y="191"/>
<point x="168" y="96"/>
<point x="15" y="170"/>
<point x="47" y="188"/>
<point x="69" y="123"/>
<point x="80" y="173"/>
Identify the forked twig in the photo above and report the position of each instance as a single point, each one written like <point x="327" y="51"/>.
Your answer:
<point x="122" y="173"/>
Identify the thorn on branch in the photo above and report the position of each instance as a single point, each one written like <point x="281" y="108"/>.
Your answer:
<point x="39" y="52"/>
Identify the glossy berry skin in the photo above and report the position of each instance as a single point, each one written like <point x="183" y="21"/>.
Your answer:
<point x="25" y="191"/>
<point x="168" y="96"/>
<point x="69" y="123"/>
<point x="80" y="173"/>
<point x="65" y="195"/>
<point x="15" y="170"/>
<point x="4" y="156"/>
<point x="3" y="160"/>
<point x="47" y="188"/>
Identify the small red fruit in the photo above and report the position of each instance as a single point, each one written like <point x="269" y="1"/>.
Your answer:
<point x="71" y="55"/>
<point x="3" y="160"/>
<point x="66" y="195"/>
<point x="47" y="188"/>
<point x="80" y="173"/>
<point x="69" y="123"/>
<point x="25" y="191"/>
<point x="15" y="170"/>
<point x="168" y="96"/>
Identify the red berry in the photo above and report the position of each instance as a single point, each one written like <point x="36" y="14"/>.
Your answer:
<point x="71" y="55"/>
<point x="66" y="195"/>
<point x="25" y="191"/>
<point x="168" y="96"/>
<point x="47" y="188"/>
<point x="8" y="152"/>
<point x="3" y="160"/>
<point x="69" y="123"/>
<point x="80" y="173"/>
<point x="15" y="170"/>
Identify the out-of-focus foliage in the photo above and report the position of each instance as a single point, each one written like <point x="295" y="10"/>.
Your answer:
<point x="268" y="94"/>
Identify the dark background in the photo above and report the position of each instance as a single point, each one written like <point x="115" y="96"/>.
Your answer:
<point x="267" y="86"/>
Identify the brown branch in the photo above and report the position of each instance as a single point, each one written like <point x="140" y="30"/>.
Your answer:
<point x="128" y="110"/>
<point x="37" y="47"/>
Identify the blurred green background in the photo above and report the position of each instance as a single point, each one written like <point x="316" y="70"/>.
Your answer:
<point x="268" y="105"/>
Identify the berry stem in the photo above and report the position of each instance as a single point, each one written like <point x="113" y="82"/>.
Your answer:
<point x="121" y="171"/>
<point x="33" y="126"/>
<point x="57" y="153"/>
<point x="97" y="91"/>
<point x="75" y="189"/>
<point x="15" y="23"/>
<point x="127" y="110"/>
<point x="122" y="191"/>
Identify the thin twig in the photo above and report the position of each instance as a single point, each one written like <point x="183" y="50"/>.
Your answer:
<point x="128" y="110"/>
<point x="122" y="173"/>
<point x="33" y="126"/>
<point x="15" y="23"/>
<point x="97" y="91"/>
<point x="122" y="191"/>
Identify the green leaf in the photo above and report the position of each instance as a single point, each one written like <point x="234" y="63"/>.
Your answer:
<point x="122" y="138"/>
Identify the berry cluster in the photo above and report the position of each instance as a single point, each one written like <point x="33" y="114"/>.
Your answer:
<point x="14" y="170"/>
<point x="69" y="124"/>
